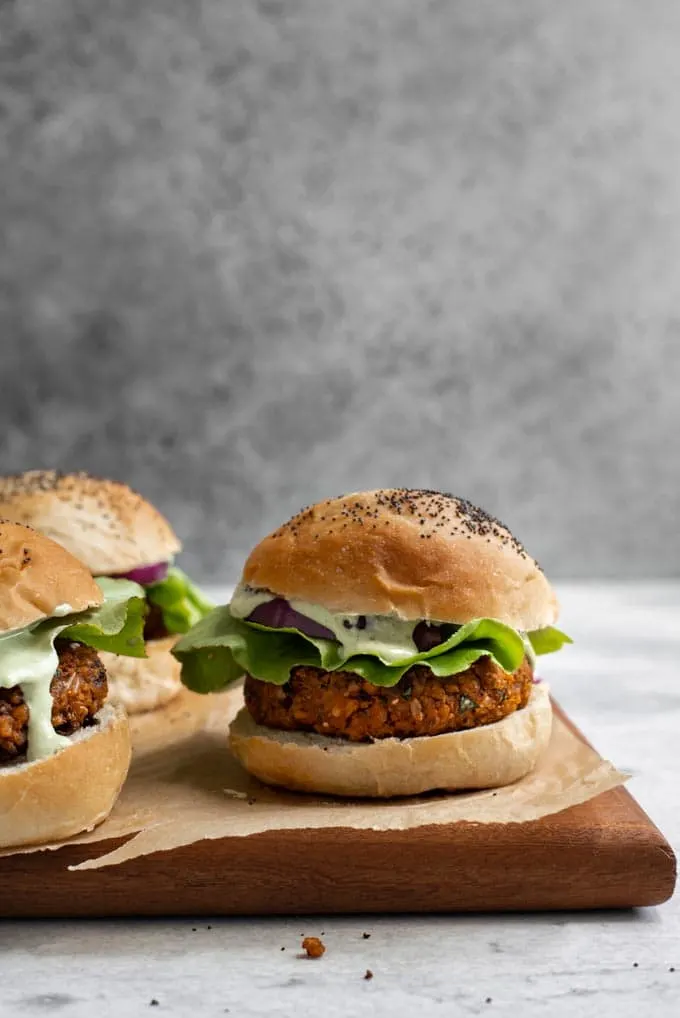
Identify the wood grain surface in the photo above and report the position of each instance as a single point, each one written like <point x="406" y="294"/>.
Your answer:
<point x="604" y="854"/>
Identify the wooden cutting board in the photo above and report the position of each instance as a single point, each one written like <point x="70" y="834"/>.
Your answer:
<point x="604" y="854"/>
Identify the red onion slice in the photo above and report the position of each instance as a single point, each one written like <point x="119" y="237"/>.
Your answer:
<point x="147" y="575"/>
<point x="278" y="614"/>
<point x="427" y="635"/>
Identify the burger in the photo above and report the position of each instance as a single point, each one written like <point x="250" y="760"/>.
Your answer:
<point x="116" y="533"/>
<point x="64" y="752"/>
<point x="388" y="641"/>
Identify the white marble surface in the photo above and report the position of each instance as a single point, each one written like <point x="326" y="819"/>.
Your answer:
<point x="621" y="684"/>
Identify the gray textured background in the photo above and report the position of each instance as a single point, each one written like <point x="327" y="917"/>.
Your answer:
<point x="257" y="253"/>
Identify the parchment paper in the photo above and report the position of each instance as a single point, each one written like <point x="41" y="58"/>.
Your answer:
<point x="184" y="786"/>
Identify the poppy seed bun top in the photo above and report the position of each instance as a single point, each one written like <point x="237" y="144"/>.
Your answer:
<point x="416" y="554"/>
<point x="37" y="576"/>
<point x="104" y="523"/>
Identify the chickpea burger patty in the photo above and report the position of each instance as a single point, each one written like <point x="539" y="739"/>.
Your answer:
<point x="78" y="689"/>
<point x="344" y="705"/>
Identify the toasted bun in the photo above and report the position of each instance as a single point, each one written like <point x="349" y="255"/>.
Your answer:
<point x="417" y="554"/>
<point x="67" y="793"/>
<point x="105" y="524"/>
<point x="484" y="757"/>
<point x="142" y="684"/>
<point x="38" y="576"/>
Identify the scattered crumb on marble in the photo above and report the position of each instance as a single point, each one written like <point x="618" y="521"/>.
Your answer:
<point x="313" y="947"/>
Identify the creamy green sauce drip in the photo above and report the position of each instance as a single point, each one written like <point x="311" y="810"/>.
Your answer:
<point x="28" y="660"/>
<point x="529" y="651"/>
<point x="387" y="636"/>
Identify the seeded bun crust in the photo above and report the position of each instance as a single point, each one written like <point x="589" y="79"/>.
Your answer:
<point x="70" y="792"/>
<point x="37" y="576"/>
<point x="485" y="757"/>
<point x="416" y="554"/>
<point x="105" y="524"/>
<point x="141" y="684"/>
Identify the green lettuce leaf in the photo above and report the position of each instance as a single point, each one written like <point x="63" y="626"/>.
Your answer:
<point x="220" y="648"/>
<point x="181" y="602"/>
<point x="548" y="640"/>
<point x="117" y="625"/>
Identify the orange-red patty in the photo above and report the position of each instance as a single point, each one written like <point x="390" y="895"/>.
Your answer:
<point x="79" y="689"/>
<point x="343" y="704"/>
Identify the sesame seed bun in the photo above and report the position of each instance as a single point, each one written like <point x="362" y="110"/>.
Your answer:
<point x="485" y="757"/>
<point x="72" y="791"/>
<point x="37" y="576"/>
<point x="104" y="523"/>
<point x="416" y="554"/>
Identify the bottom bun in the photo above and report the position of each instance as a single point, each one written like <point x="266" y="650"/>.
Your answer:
<point x="70" y="792"/>
<point x="484" y="757"/>
<point x="144" y="683"/>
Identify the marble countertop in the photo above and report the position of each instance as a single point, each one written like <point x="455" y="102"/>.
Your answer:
<point x="620" y="683"/>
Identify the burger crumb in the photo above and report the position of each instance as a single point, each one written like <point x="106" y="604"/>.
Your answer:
<point x="368" y="974"/>
<point x="313" y="947"/>
<point x="365" y="936"/>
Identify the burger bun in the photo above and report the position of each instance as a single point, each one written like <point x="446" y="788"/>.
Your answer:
<point x="142" y="684"/>
<point x="70" y="792"/>
<point x="411" y="553"/>
<point x="488" y="756"/>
